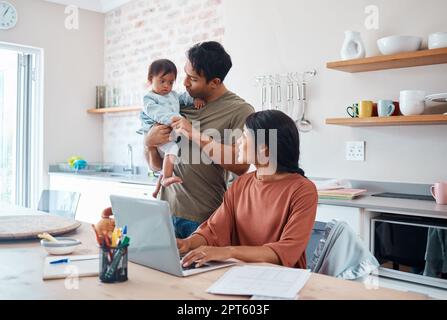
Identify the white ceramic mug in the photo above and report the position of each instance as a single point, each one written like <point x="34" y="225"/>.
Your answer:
<point x="412" y="102"/>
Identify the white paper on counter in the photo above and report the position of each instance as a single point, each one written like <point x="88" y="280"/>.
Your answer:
<point x="334" y="184"/>
<point x="275" y="282"/>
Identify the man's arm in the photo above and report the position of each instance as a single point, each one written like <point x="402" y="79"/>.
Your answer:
<point x="153" y="158"/>
<point x="225" y="155"/>
<point x="158" y="135"/>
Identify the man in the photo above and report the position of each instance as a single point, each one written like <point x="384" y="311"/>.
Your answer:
<point x="204" y="185"/>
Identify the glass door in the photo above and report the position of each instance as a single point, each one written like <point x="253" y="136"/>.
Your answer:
<point x="21" y="124"/>
<point x="8" y="124"/>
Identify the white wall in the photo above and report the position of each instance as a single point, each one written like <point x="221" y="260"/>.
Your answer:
<point x="137" y="34"/>
<point x="265" y="36"/>
<point x="74" y="63"/>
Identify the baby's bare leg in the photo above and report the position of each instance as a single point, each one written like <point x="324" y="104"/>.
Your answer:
<point x="168" y="170"/>
<point x="157" y="187"/>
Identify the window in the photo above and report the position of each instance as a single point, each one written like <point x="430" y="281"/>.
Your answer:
<point x="8" y="116"/>
<point x="20" y="124"/>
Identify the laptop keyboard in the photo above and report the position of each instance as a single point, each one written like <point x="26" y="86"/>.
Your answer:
<point x="193" y="266"/>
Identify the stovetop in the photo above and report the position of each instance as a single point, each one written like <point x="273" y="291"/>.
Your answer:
<point x="404" y="196"/>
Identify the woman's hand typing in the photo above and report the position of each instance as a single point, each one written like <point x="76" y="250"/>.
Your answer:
<point x="204" y="254"/>
<point x="183" y="246"/>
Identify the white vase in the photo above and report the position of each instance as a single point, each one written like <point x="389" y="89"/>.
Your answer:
<point x="353" y="47"/>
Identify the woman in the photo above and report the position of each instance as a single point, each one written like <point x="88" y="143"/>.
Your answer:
<point x="265" y="216"/>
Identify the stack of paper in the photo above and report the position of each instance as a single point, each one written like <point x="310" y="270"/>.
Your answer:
<point x="274" y="282"/>
<point x="340" y="194"/>
<point x="332" y="184"/>
<point x="76" y="266"/>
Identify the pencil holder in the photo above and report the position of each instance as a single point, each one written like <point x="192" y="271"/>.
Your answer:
<point x="113" y="264"/>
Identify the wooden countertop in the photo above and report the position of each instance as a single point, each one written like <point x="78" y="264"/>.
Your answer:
<point x="22" y="265"/>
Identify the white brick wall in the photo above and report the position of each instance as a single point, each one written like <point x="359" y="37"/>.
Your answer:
<point x="135" y="35"/>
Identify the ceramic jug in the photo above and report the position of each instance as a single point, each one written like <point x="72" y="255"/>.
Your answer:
<point x="353" y="47"/>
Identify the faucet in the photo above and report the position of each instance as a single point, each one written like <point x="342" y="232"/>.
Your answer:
<point x="130" y="167"/>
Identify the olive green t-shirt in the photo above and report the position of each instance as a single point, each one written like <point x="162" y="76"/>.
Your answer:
<point x="204" y="183"/>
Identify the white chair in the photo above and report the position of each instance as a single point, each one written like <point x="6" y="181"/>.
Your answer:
<point x="59" y="203"/>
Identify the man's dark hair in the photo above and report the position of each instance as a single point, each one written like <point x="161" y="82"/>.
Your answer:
<point x="210" y="60"/>
<point x="161" y="67"/>
<point x="288" y="139"/>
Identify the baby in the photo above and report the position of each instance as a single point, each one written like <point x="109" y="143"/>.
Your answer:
<point x="160" y="105"/>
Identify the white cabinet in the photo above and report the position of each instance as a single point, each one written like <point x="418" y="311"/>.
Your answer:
<point x="133" y="190"/>
<point x="95" y="194"/>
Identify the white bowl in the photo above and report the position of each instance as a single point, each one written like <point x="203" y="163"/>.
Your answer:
<point x="62" y="247"/>
<point x="398" y="44"/>
<point x="437" y="40"/>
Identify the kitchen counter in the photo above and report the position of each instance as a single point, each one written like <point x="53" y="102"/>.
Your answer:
<point x="112" y="177"/>
<point x="420" y="208"/>
<point x="423" y="208"/>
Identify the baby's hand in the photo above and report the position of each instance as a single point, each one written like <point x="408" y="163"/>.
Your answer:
<point x="199" y="103"/>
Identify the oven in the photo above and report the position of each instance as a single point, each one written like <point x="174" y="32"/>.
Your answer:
<point x="411" y="248"/>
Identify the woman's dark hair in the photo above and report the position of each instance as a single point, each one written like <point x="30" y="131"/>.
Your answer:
<point x="161" y="67"/>
<point x="288" y="139"/>
<point x="210" y="60"/>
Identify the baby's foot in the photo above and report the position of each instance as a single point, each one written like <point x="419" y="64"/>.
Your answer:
<point x="166" y="182"/>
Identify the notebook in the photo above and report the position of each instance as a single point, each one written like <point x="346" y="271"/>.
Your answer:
<point x="87" y="267"/>
<point x="273" y="282"/>
<point x="342" y="194"/>
<point x="333" y="184"/>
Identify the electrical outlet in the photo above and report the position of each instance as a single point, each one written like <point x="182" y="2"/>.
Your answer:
<point x="355" y="150"/>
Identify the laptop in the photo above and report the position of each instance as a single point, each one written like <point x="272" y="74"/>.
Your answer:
<point x="152" y="236"/>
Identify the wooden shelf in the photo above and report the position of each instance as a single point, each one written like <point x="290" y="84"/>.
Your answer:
<point x="394" y="61"/>
<point x="114" y="110"/>
<point x="427" y="119"/>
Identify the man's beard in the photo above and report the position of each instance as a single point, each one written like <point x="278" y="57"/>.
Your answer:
<point x="195" y="95"/>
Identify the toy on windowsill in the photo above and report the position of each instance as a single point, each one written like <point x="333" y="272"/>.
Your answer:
<point x="106" y="225"/>
<point x="77" y="163"/>
<point x="80" y="165"/>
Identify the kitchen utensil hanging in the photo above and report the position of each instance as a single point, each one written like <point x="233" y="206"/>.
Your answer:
<point x="262" y="83"/>
<point x="272" y="95"/>
<point x="290" y="90"/>
<point x="271" y="91"/>
<point x="303" y="124"/>
<point x="278" y="92"/>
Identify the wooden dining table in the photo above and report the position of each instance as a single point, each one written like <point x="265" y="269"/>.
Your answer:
<point x="21" y="267"/>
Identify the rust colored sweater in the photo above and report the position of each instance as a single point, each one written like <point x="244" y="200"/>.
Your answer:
<point x="277" y="214"/>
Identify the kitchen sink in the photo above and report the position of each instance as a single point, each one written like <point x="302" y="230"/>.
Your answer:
<point x="102" y="174"/>
<point x="113" y="174"/>
<point x="121" y="175"/>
